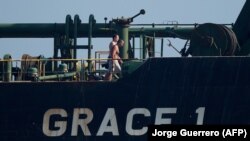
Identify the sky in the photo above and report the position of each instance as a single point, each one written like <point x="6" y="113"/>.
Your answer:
<point x="157" y="11"/>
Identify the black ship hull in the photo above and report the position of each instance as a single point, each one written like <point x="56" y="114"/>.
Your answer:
<point x="199" y="90"/>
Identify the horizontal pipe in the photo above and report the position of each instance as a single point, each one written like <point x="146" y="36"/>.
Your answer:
<point x="57" y="76"/>
<point x="183" y="33"/>
<point x="46" y="30"/>
<point x="50" y="30"/>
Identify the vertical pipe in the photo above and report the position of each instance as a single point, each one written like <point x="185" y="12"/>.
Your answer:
<point x="91" y="19"/>
<point x="133" y="46"/>
<point x="154" y="45"/>
<point x="162" y="41"/>
<point x="95" y="60"/>
<point x="7" y="68"/>
<point x="153" y="54"/>
<point x="123" y="32"/>
<point x="76" y="22"/>
<point x="67" y="32"/>
<point x="99" y="60"/>
<point x="141" y="46"/>
<point x="55" y="56"/>
<point x="144" y="51"/>
<point x="44" y="69"/>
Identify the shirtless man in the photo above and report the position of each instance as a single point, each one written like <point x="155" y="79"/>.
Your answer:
<point x="113" y="42"/>
<point x="114" y="64"/>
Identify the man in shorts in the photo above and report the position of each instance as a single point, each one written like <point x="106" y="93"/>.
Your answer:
<point x="114" y="63"/>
